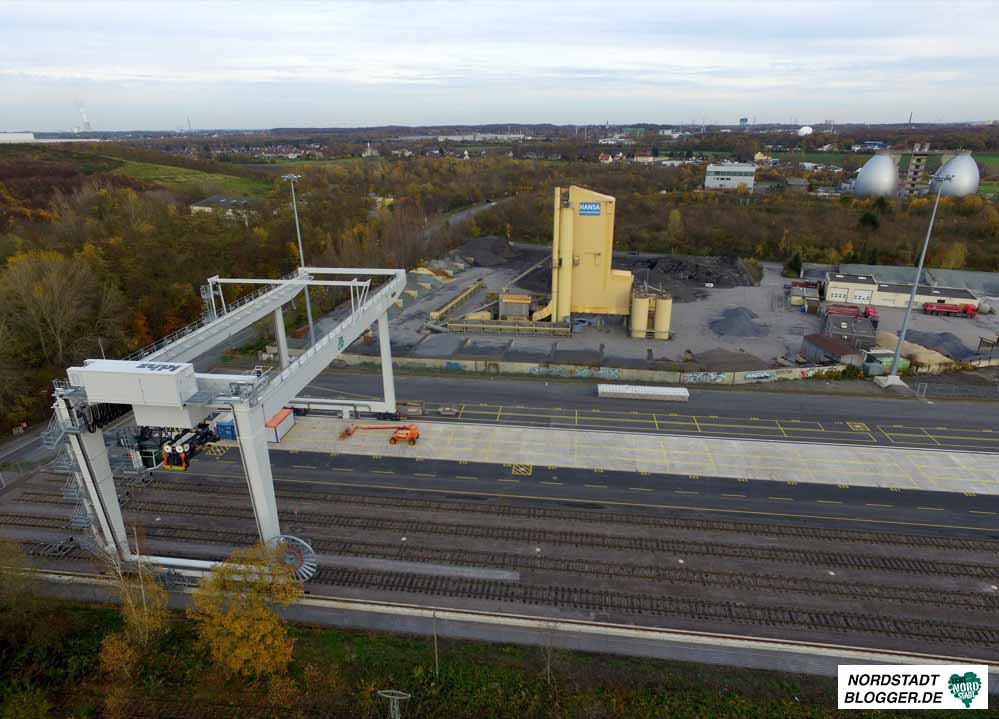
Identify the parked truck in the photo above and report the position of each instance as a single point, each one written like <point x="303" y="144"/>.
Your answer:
<point x="848" y="310"/>
<point x="938" y="308"/>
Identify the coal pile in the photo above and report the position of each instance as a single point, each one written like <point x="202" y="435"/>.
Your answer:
<point x="946" y="343"/>
<point x="487" y="251"/>
<point x="685" y="276"/>
<point x="739" y="322"/>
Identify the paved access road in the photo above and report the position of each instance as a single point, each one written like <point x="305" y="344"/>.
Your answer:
<point x="867" y="508"/>
<point x="796" y="417"/>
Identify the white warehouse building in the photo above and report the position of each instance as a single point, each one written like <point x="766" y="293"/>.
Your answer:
<point x="867" y="290"/>
<point x="730" y="176"/>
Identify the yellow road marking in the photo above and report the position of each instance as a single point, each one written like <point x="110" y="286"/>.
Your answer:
<point x="978" y="511"/>
<point x="596" y="486"/>
<point x="547" y="482"/>
<point x="740" y="496"/>
<point x="931" y="509"/>
<point x="303" y="466"/>
<point x="828" y="501"/>
<point x="341" y="469"/>
<point x="509" y="481"/>
<point x="873" y="504"/>
<point x="684" y="491"/>
<point x="781" y="499"/>
<point x="464" y="476"/>
<point x="381" y="471"/>
<point x="639" y="489"/>
<point x="423" y="474"/>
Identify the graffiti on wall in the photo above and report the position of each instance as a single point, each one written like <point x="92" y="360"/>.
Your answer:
<point x="578" y="372"/>
<point x="765" y="375"/>
<point x="704" y="377"/>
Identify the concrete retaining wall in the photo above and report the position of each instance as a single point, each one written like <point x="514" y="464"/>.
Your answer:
<point x="604" y="373"/>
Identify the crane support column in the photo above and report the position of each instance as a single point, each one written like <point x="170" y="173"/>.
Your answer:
<point x="281" y="337"/>
<point x="91" y="457"/>
<point x="257" y="465"/>
<point x="385" y="349"/>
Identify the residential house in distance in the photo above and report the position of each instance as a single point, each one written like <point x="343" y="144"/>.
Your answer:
<point x="644" y="158"/>
<point x="730" y="176"/>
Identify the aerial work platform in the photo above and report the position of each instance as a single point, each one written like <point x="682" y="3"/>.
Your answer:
<point x="932" y="470"/>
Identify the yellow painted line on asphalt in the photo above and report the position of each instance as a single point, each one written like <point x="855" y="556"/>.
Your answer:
<point x="509" y="481"/>
<point x="782" y="499"/>
<point x="423" y="474"/>
<point x="828" y="501"/>
<point x="644" y="505"/>
<point x="684" y="491"/>
<point x="381" y="471"/>
<point x="303" y="466"/>
<point x="931" y="509"/>
<point x="978" y="511"/>
<point x="639" y="489"/>
<point x="740" y="496"/>
<point x="873" y="504"/>
<point x="341" y="469"/>
<point x="557" y="484"/>
<point x="464" y="476"/>
<point x="596" y="486"/>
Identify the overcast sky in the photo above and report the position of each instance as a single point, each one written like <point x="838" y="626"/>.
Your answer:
<point x="149" y="64"/>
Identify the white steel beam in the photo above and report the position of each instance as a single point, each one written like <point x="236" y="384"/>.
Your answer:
<point x="257" y="466"/>
<point x="281" y="337"/>
<point x="281" y="389"/>
<point x="385" y="349"/>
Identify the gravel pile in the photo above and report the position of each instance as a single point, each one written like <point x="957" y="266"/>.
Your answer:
<point x="739" y="322"/>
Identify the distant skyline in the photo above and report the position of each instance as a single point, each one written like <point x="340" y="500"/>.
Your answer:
<point x="150" y="65"/>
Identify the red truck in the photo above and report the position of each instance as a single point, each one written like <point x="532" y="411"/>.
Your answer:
<point x="936" y="308"/>
<point x="847" y="310"/>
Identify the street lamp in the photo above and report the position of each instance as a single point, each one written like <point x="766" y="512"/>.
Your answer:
<point x="941" y="181"/>
<point x="301" y="254"/>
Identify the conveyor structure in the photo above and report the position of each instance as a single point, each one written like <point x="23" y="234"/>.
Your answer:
<point x="163" y="388"/>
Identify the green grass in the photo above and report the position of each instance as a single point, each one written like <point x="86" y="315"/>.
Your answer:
<point x="185" y="180"/>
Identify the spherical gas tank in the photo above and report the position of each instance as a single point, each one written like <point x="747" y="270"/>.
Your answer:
<point x="963" y="171"/>
<point x="877" y="178"/>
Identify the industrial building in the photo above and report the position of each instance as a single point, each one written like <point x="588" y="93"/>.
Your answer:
<point x="866" y="290"/>
<point x="824" y="349"/>
<point x="730" y="176"/>
<point x="582" y="251"/>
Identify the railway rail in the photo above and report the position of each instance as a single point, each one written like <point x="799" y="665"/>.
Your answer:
<point x="506" y="509"/>
<point x="605" y="601"/>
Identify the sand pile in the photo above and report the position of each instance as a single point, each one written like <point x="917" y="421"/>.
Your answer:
<point x="946" y="343"/>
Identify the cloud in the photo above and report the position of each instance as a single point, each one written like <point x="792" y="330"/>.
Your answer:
<point x="467" y="61"/>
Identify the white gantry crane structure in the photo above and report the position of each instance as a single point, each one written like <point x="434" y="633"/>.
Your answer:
<point x="164" y="390"/>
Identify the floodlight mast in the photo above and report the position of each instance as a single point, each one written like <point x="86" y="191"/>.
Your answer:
<point x="941" y="181"/>
<point x="301" y="254"/>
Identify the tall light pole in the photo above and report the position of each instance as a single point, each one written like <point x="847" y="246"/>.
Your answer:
<point x="301" y="254"/>
<point x="919" y="273"/>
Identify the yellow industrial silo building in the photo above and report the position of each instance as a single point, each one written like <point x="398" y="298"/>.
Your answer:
<point x="582" y="250"/>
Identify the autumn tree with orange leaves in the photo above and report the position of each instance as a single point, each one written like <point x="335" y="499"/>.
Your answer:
<point x="234" y="608"/>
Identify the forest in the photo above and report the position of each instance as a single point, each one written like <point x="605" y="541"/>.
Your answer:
<point x="94" y="260"/>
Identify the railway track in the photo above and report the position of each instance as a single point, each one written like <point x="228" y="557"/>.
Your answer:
<point x="632" y="603"/>
<point x="504" y="509"/>
<point x="594" y="600"/>
<point x="675" y="547"/>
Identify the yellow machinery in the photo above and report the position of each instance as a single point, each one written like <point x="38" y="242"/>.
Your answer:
<point x="664" y="313"/>
<point x="582" y="249"/>
<point x="640" y="316"/>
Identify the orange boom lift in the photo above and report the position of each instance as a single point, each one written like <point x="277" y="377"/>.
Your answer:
<point x="401" y="432"/>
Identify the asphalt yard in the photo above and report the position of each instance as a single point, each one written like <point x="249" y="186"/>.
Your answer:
<point x="676" y="423"/>
<point x="762" y="458"/>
